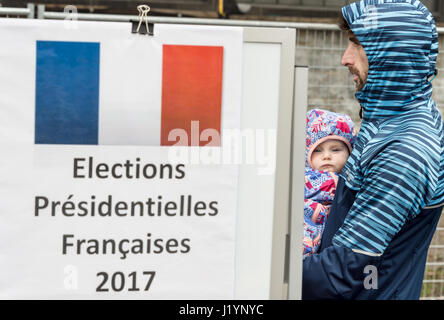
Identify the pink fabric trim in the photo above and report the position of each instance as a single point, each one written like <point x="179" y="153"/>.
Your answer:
<point x="333" y="137"/>
<point x="315" y="215"/>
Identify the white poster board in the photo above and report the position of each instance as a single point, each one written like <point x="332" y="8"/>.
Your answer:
<point x="112" y="212"/>
<point x="261" y="226"/>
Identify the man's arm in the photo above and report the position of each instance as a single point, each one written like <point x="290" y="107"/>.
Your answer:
<point x="397" y="183"/>
<point x="335" y="273"/>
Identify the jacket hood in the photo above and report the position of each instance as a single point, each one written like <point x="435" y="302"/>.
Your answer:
<point x="323" y="125"/>
<point x="401" y="43"/>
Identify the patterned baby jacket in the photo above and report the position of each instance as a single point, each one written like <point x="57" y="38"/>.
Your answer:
<point x="320" y="186"/>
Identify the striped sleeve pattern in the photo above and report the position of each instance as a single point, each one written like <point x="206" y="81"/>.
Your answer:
<point x="401" y="168"/>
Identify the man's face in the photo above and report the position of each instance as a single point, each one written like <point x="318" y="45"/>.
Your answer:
<point x="356" y="61"/>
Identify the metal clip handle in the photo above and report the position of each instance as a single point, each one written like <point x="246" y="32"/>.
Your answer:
<point x="143" y="15"/>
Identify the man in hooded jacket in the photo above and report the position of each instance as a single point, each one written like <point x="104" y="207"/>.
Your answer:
<point x="390" y="193"/>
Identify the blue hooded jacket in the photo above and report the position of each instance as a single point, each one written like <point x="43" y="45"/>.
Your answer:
<point x="390" y="194"/>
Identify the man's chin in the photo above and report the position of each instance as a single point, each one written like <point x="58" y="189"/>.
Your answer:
<point x="359" y="87"/>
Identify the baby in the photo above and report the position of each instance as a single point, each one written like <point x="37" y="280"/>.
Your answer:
<point x="329" y="140"/>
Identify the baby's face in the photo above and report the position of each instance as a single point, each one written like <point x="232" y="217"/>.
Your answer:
<point x="330" y="156"/>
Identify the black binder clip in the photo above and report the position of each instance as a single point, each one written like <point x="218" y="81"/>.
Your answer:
<point x="140" y="27"/>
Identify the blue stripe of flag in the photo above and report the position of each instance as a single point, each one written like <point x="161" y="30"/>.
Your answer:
<point x="67" y="92"/>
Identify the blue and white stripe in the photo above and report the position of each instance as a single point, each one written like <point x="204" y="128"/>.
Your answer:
<point x="397" y="165"/>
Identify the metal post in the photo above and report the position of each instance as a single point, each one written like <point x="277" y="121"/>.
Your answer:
<point x="14" y="11"/>
<point x="41" y="11"/>
<point x="31" y="13"/>
<point x="297" y="184"/>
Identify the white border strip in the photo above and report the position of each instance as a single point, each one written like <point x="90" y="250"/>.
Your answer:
<point x="367" y="253"/>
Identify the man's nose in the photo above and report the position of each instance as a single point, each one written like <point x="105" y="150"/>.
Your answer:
<point x="347" y="57"/>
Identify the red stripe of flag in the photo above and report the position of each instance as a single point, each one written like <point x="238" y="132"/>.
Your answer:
<point x="191" y="90"/>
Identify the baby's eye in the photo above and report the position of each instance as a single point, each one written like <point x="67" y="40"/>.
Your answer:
<point x="317" y="150"/>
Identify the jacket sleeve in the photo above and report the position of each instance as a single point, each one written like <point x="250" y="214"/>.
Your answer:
<point x="336" y="273"/>
<point x="397" y="183"/>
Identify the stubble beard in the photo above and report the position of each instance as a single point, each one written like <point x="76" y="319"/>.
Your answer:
<point x="361" y="79"/>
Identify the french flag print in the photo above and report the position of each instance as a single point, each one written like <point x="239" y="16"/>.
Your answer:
<point x="69" y="107"/>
